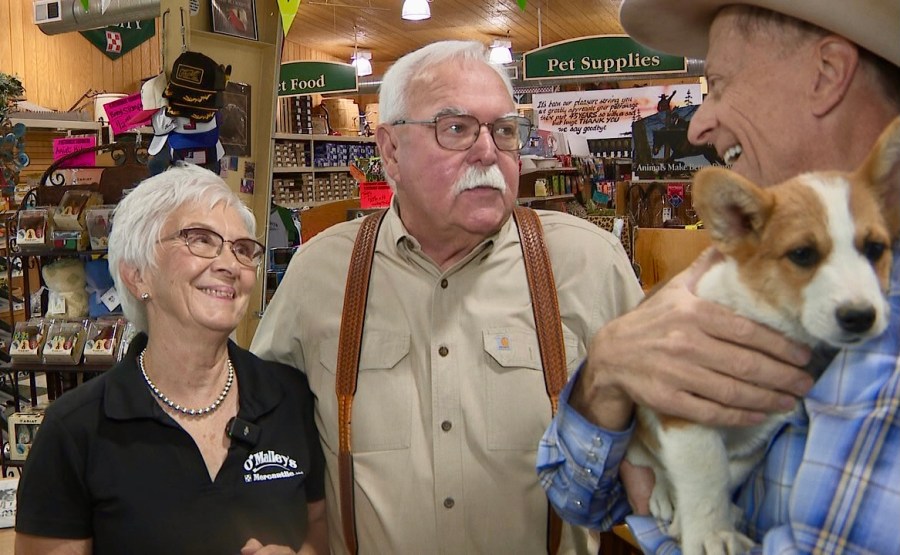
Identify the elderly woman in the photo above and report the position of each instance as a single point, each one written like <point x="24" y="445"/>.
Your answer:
<point x="190" y="444"/>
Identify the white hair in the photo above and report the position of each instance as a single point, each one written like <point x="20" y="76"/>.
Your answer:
<point x="394" y="97"/>
<point x="139" y="219"/>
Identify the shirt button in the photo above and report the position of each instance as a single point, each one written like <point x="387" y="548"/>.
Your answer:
<point x="446" y="425"/>
<point x="449" y="502"/>
<point x="443" y="351"/>
<point x="444" y="284"/>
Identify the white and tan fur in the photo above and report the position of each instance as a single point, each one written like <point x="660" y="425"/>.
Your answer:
<point x="809" y="257"/>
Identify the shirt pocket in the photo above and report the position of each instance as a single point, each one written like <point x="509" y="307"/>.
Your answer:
<point x="382" y="406"/>
<point x="517" y="405"/>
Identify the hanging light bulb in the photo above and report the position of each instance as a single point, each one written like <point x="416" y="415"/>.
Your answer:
<point x="501" y="52"/>
<point x="415" y="10"/>
<point x="360" y="60"/>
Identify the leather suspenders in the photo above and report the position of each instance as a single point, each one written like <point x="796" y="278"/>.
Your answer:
<point x="542" y="288"/>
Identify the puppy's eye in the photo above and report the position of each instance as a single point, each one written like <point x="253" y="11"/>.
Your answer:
<point x="803" y="256"/>
<point x="873" y="250"/>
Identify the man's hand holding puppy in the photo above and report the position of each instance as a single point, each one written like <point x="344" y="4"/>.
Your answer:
<point x="691" y="358"/>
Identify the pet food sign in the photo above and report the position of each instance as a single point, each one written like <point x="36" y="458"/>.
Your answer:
<point x="610" y="113"/>
<point x="300" y="78"/>
<point x="605" y="55"/>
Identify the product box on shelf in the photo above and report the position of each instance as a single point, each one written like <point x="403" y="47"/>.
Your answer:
<point x="32" y="228"/>
<point x="102" y="340"/>
<point x="65" y="342"/>
<point x="28" y="340"/>
<point x="98" y="220"/>
<point x="128" y="334"/>
<point x="69" y="215"/>
<point x="23" y="426"/>
<point x="68" y="239"/>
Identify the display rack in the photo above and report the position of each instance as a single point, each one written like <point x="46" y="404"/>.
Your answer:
<point x="310" y="170"/>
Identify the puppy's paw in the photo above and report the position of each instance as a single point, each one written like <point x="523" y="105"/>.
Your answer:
<point x="726" y="542"/>
<point x="661" y="505"/>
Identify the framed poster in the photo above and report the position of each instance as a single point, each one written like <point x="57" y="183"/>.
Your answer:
<point x="234" y="119"/>
<point x="235" y="17"/>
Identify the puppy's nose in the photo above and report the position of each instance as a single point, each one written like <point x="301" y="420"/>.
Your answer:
<point x="855" y="319"/>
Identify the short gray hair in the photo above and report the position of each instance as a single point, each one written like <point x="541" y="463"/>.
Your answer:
<point x="139" y="219"/>
<point x="393" y="96"/>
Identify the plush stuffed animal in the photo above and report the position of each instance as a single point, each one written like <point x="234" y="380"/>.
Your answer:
<point x="66" y="279"/>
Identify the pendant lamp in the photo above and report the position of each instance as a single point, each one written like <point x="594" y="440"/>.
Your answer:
<point x="501" y="52"/>
<point x="360" y="60"/>
<point x="415" y="10"/>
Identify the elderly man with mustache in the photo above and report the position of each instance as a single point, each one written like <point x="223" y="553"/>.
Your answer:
<point x="450" y="397"/>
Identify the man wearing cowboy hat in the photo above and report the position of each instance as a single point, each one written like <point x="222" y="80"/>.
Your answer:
<point x="794" y="86"/>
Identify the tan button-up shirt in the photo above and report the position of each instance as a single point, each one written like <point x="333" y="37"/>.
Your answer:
<point x="450" y="403"/>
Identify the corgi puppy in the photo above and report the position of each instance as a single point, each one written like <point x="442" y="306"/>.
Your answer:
<point x="809" y="257"/>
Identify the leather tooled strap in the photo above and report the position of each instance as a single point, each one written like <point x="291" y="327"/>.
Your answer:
<point x="349" y="345"/>
<point x="545" y="304"/>
<point x="542" y="288"/>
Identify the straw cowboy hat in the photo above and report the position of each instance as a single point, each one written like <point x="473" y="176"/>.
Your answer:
<point x="682" y="26"/>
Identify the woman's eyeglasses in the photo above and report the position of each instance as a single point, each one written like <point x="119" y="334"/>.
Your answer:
<point x="460" y="132"/>
<point x="206" y="243"/>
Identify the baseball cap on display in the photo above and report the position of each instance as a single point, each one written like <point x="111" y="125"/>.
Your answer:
<point x="191" y="134"/>
<point x="196" y="80"/>
<point x="151" y="100"/>
<point x="196" y="114"/>
<point x="163" y="126"/>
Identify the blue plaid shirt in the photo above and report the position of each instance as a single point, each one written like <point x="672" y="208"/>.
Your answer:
<point x="830" y="481"/>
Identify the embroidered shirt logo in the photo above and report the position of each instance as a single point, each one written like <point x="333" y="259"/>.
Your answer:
<point x="503" y="343"/>
<point x="263" y="466"/>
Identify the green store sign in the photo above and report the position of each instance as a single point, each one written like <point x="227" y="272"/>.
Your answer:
<point x="117" y="40"/>
<point x="299" y="78"/>
<point x="617" y="55"/>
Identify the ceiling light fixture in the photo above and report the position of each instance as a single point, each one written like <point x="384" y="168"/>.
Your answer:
<point x="501" y="52"/>
<point x="415" y="10"/>
<point x="360" y="60"/>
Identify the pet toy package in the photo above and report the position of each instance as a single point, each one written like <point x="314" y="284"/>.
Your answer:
<point x="65" y="343"/>
<point x="28" y="340"/>
<point x="102" y="340"/>
<point x="99" y="223"/>
<point x="69" y="215"/>
<point x="32" y="228"/>
<point x="23" y="427"/>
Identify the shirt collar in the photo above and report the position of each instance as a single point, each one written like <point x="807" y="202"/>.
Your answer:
<point x="128" y="397"/>
<point x="394" y="233"/>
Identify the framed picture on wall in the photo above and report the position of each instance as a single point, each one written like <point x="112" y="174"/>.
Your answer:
<point x="235" y="17"/>
<point x="234" y="119"/>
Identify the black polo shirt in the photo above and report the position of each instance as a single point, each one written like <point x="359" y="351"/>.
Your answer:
<point x="110" y="464"/>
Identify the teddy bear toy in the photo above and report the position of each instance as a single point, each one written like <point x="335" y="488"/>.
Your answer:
<point x="65" y="279"/>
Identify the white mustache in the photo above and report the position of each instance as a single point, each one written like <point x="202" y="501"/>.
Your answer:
<point x="480" y="177"/>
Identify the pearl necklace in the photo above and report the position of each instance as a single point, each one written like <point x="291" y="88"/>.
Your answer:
<point x="190" y="412"/>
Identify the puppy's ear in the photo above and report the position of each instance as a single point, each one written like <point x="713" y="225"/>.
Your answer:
<point x="731" y="207"/>
<point x="881" y="171"/>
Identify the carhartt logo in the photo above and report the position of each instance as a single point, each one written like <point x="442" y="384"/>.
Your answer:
<point x="190" y="74"/>
<point x="503" y="343"/>
<point x="263" y="466"/>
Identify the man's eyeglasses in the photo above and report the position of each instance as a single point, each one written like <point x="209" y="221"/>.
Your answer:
<point x="459" y="132"/>
<point x="206" y="243"/>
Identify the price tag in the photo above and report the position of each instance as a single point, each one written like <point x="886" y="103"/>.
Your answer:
<point x="56" y="303"/>
<point x="110" y="299"/>
<point x="375" y="194"/>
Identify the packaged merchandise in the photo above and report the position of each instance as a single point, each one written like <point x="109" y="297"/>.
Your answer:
<point x="28" y="340"/>
<point x="32" y="228"/>
<point x="65" y="342"/>
<point x="103" y="340"/>
<point x="23" y="427"/>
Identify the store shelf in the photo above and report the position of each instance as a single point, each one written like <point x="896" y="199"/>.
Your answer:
<point x="549" y="170"/>
<point x="58" y="124"/>
<point x="529" y="200"/>
<point x="323" y="138"/>
<point x="307" y="169"/>
<point x="310" y="204"/>
<point x="16" y="366"/>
